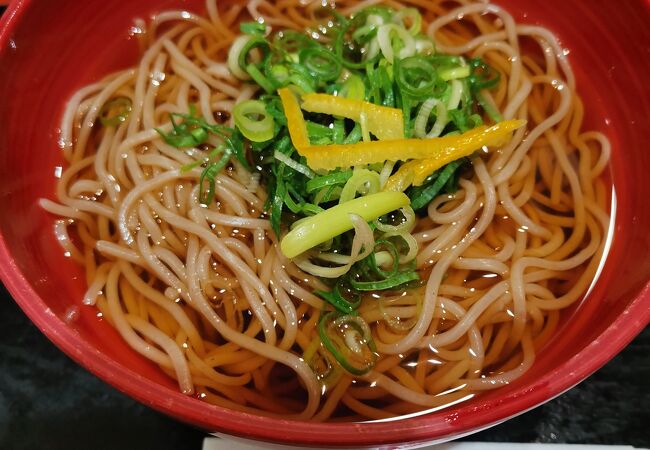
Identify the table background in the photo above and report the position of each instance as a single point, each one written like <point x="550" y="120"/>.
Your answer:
<point x="48" y="402"/>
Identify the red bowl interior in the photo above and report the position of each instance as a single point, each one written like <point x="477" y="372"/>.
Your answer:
<point x="50" y="49"/>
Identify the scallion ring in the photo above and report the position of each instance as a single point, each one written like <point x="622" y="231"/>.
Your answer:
<point x="342" y="297"/>
<point x="254" y="122"/>
<point x="421" y="120"/>
<point x="349" y="340"/>
<point x="395" y="42"/>
<point x="407" y="223"/>
<point x="115" y="111"/>
<point x="278" y="73"/>
<point x="233" y="57"/>
<point x="351" y="55"/>
<point x="321" y="362"/>
<point x="415" y="77"/>
<point x="410" y="19"/>
<point x="409" y="244"/>
<point x="392" y="258"/>
<point x="363" y="181"/>
<point x="321" y="63"/>
<point x="252" y="43"/>
<point x="483" y="75"/>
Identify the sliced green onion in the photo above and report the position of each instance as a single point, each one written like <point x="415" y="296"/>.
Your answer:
<point x="327" y="194"/>
<point x="454" y="73"/>
<point x="383" y="258"/>
<point x="349" y="340"/>
<point x="193" y="131"/>
<point x="374" y="14"/>
<point x="447" y="60"/>
<point x="258" y="128"/>
<point x="411" y="244"/>
<point x="407" y="105"/>
<point x="233" y="56"/>
<point x="115" y="111"/>
<point x="406" y="225"/>
<point x="415" y="77"/>
<point x="385" y="173"/>
<point x="327" y="371"/>
<point x="209" y="174"/>
<point x="391" y="257"/>
<point x="317" y="132"/>
<point x="490" y="109"/>
<point x="388" y="61"/>
<point x="422" y="118"/>
<point x="311" y="210"/>
<point x="294" y="207"/>
<point x="385" y="81"/>
<point x="295" y="165"/>
<point x="353" y="88"/>
<point x="424" y="45"/>
<point x="324" y="226"/>
<point x="277" y="203"/>
<point x="338" y="131"/>
<point x="252" y="43"/>
<point x="388" y="283"/>
<point x="333" y="179"/>
<point x="354" y="136"/>
<point x="188" y="133"/>
<point x="365" y="33"/>
<point x="483" y="75"/>
<point x="363" y="181"/>
<point x="321" y="63"/>
<point x="278" y="73"/>
<point x="411" y="15"/>
<point x="342" y="298"/>
<point x="189" y="166"/>
<point x="395" y="42"/>
<point x="255" y="28"/>
<point x="371" y="52"/>
<point x="352" y="56"/>
<point x="455" y="95"/>
<point x="236" y="143"/>
<point x="260" y="79"/>
<point x="463" y="120"/>
<point x="363" y="123"/>
<point x="301" y="77"/>
<point x="422" y="195"/>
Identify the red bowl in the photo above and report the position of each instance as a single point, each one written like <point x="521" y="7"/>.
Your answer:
<point x="50" y="49"/>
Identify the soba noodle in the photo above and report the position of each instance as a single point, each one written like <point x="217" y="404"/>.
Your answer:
<point x="205" y="293"/>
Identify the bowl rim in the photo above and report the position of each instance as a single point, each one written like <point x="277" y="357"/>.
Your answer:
<point x="461" y="421"/>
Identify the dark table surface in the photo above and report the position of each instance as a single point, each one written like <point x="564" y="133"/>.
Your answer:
<point x="49" y="402"/>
